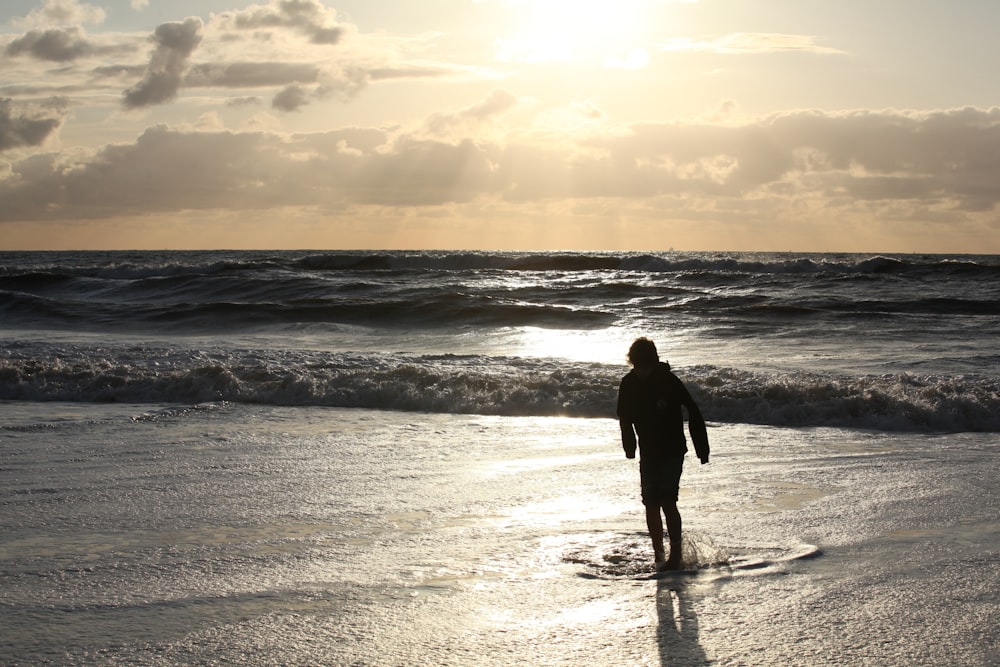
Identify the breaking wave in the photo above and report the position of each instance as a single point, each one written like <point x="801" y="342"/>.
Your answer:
<point x="472" y="384"/>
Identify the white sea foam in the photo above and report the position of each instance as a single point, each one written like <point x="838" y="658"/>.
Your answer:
<point x="475" y="384"/>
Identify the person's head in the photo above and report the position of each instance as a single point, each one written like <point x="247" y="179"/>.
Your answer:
<point x="643" y="353"/>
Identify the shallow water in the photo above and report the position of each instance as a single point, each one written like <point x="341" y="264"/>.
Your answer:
<point x="228" y="534"/>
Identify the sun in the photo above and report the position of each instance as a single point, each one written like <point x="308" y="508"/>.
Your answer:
<point x="612" y="34"/>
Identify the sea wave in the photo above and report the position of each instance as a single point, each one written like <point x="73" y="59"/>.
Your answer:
<point x="669" y="262"/>
<point x="472" y="384"/>
<point x="448" y="309"/>
<point x="216" y="291"/>
<point x="45" y="268"/>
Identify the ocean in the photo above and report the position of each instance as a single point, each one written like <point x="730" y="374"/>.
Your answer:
<point x="411" y="458"/>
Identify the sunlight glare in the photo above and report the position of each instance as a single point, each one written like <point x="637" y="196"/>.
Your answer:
<point x="605" y="346"/>
<point x="611" y="34"/>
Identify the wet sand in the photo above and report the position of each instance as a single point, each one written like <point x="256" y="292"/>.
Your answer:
<point x="261" y="535"/>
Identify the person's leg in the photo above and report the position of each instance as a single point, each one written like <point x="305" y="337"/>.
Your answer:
<point x="674" y="532"/>
<point x="655" y="526"/>
<point x="650" y="499"/>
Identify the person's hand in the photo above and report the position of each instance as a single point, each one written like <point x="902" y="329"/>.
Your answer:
<point x="630" y="452"/>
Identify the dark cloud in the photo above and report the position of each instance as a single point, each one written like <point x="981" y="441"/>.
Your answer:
<point x="167" y="170"/>
<point x="172" y="65"/>
<point x="864" y="155"/>
<point x="927" y="164"/>
<point x="327" y="35"/>
<point x="251" y="75"/>
<point x="28" y="126"/>
<point x="291" y="98"/>
<point x="175" y="42"/>
<point x="343" y="83"/>
<point x="55" y="44"/>
<point x="309" y="17"/>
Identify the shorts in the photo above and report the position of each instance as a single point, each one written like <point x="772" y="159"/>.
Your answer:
<point x="661" y="480"/>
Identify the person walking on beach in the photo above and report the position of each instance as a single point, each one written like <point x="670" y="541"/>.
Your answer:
<point x="650" y="399"/>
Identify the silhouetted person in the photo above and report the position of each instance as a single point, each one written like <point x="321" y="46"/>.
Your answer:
<point x="649" y="405"/>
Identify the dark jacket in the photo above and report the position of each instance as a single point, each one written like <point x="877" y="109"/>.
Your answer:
<point x="650" y="407"/>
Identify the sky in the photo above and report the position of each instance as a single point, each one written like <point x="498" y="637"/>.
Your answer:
<point x="647" y="125"/>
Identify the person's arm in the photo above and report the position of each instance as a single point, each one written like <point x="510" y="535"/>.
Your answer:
<point x="696" y="425"/>
<point x="699" y="433"/>
<point x="628" y="438"/>
<point x="625" y="422"/>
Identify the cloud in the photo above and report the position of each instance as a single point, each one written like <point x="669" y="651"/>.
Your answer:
<point x="251" y="74"/>
<point x="290" y="39"/>
<point x="498" y="102"/>
<point x="175" y="42"/>
<point x="60" y="13"/>
<point x="68" y="44"/>
<point x="117" y="72"/>
<point x="243" y="101"/>
<point x="303" y="83"/>
<point x="467" y="121"/>
<point x="310" y="17"/>
<point x="291" y="98"/>
<point x="948" y="158"/>
<point x="930" y="164"/>
<point x="55" y="44"/>
<point x="300" y="83"/>
<point x="26" y="126"/>
<point x="751" y="42"/>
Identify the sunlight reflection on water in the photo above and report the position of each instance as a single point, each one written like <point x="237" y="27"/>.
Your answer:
<point x="606" y="346"/>
<point x="533" y="464"/>
<point x="562" y="509"/>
